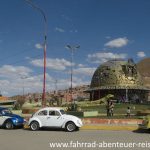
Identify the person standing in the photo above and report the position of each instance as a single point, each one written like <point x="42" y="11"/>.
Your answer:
<point x="108" y="108"/>
<point x="111" y="109"/>
<point x="128" y="112"/>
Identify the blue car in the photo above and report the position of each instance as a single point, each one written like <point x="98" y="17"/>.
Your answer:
<point x="8" y="120"/>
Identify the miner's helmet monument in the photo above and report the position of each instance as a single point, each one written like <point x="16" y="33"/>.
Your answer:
<point x="120" y="78"/>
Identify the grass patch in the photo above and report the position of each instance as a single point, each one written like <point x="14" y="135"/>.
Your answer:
<point x="118" y="109"/>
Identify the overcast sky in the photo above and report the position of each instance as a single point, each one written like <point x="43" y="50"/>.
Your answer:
<point x="104" y="29"/>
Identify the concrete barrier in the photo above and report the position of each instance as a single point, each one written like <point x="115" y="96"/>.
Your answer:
<point x="83" y="113"/>
<point x="112" y="121"/>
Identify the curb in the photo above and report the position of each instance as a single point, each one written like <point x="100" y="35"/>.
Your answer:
<point x="108" y="121"/>
<point x="103" y="127"/>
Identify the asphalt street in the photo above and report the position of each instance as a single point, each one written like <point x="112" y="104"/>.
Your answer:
<point x="20" y="139"/>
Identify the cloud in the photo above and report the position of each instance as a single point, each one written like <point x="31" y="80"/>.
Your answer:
<point x="34" y="84"/>
<point x="65" y="83"/>
<point x="85" y="71"/>
<point x="77" y="81"/>
<point x="4" y="82"/>
<point x="11" y="82"/>
<point x="30" y="84"/>
<point x="59" y="29"/>
<point x="141" y="54"/>
<point x="103" y="57"/>
<point x="38" y="46"/>
<point x="10" y="71"/>
<point x="117" y="43"/>
<point x="81" y="65"/>
<point x="56" y="64"/>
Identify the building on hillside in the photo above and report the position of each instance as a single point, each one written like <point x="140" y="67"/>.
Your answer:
<point x="120" y="78"/>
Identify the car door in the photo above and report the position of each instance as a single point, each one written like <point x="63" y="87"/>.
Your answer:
<point x="54" y="119"/>
<point x="42" y="116"/>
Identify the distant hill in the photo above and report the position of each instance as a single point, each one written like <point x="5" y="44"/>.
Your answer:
<point x="144" y="69"/>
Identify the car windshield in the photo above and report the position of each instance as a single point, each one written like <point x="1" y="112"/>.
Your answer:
<point x="62" y="112"/>
<point x="6" y="111"/>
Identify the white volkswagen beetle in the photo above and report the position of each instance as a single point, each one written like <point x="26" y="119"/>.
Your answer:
<point x="55" y="118"/>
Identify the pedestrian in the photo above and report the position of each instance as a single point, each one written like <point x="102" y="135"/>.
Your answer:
<point x="107" y="108"/>
<point x="111" y="109"/>
<point x="128" y="112"/>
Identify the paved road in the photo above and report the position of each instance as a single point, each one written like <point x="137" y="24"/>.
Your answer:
<point x="28" y="140"/>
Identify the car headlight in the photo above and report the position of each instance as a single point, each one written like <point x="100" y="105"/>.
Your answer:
<point x="16" y="120"/>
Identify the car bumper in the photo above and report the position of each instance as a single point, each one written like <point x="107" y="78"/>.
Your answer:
<point x="79" y="125"/>
<point x="19" y="123"/>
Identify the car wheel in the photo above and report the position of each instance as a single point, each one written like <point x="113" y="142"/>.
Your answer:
<point x="34" y="126"/>
<point x="9" y="125"/>
<point x="70" y="127"/>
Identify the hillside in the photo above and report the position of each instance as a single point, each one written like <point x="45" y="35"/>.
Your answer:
<point x="144" y="69"/>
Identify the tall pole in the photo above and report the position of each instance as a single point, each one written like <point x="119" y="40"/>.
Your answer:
<point x="44" y="77"/>
<point x="56" y="81"/>
<point x="44" y="47"/>
<point x="72" y="52"/>
<point x="23" y="78"/>
<point x="72" y="48"/>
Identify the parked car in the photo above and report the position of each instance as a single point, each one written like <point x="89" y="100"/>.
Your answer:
<point x="8" y="120"/>
<point x="54" y="118"/>
<point x="145" y="123"/>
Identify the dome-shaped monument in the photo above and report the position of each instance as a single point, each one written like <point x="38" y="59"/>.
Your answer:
<point x="120" y="78"/>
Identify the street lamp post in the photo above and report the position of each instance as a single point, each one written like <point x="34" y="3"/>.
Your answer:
<point x="56" y="81"/>
<point x="23" y="78"/>
<point x="72" y="48"/>
<point x="44" y="47"/>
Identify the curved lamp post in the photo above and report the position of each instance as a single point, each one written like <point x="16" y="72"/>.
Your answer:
<point x="44" y="47"/>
